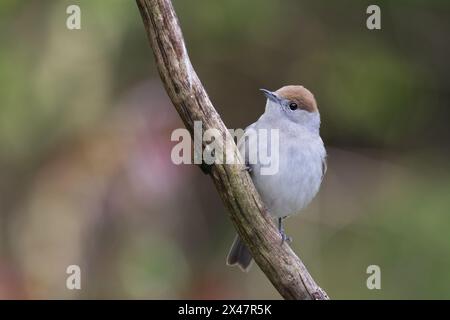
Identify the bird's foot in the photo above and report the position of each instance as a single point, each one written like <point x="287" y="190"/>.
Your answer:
<point x="284" y="236"/>
<point x="248" y="169"/>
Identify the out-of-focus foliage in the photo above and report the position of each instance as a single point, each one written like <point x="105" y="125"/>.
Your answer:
<point x="85" y="170"/>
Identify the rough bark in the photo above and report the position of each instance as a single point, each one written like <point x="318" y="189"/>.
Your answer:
<point x="247" y="212"/>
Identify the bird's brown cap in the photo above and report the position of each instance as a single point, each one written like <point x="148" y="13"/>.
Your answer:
<point x="300" y="95"/>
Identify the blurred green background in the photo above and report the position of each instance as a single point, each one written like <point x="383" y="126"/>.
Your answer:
<point x="85" y="170"/>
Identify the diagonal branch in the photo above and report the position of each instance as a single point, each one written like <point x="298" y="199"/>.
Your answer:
<point x="250" y="218"/>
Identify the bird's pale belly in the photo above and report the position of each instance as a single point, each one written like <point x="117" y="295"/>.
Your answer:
<point x="295" y="184"/>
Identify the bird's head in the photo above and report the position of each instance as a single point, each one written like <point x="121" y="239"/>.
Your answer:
<point x="295" y="103"/>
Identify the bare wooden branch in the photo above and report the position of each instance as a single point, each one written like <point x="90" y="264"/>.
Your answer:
<point x="250" y="218"/>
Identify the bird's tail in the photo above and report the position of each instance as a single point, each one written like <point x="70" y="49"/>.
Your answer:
<point x="239" y="255"/>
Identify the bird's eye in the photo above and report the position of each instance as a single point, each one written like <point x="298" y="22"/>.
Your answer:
<point x="293" y="106"/>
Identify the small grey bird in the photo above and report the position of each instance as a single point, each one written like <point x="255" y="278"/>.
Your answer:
<point x="301" y="159"/>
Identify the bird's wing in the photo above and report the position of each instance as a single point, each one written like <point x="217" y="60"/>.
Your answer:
<point x="324" y="166"/>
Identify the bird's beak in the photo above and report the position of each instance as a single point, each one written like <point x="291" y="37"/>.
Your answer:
<point x="272" y="96"/>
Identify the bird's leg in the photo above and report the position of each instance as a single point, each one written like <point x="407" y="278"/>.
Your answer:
<point x="284" y="236"/>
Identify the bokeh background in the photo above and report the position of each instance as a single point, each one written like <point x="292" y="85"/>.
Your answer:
<point x="85" y="170"/>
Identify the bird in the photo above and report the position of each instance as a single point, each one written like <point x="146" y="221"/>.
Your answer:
<point x="293" y="112"/>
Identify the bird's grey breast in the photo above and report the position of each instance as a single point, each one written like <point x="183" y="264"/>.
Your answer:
<point x="300" y="155"/>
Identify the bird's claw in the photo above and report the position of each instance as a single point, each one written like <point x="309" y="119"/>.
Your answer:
<point x="248" y="169"/>
<point x="285" y="237"/>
